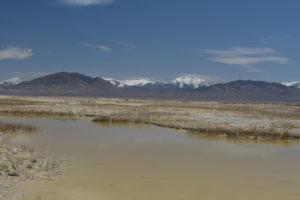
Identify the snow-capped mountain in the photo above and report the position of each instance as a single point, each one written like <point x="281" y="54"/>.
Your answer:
<point x="182" y="82"/>
<point x="293" y="84"/>
<point x="114" y="82"/>
<point x="11" y="81"/>
<point x="189" y="82"/>
<point x="130" y="82"/>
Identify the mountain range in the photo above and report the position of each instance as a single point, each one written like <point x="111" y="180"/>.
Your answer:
<point x="181" y="88"/>
<point x="180" y="83"/>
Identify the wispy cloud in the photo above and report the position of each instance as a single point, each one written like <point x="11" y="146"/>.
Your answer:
<point x="240" y="51"/>
<point x="15" y="53"/>
<point x="86" y="2"/>
<point x="125" y="44"/>
<point x="244" y="56"/>
<point x="98" y="46"/>
<point x="249" y="60"/>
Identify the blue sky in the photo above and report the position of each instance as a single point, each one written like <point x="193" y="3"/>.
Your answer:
<point x="160" y="39"/>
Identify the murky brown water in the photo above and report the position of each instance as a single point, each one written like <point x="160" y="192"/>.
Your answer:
<point x="149" y="163"/>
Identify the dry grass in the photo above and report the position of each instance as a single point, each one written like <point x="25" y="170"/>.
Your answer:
<point x="23" y="163"/>
<point x="252" y="120"/>
<point x="250" y="133"/>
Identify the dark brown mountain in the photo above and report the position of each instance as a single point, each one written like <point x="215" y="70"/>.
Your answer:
<point x="63" y="84"/>
<point x="75" y="84"/>
<point x="66" y="81"/>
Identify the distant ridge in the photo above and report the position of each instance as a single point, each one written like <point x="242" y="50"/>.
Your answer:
<point x="252" y="91"/>
<point x="75" y="84"/>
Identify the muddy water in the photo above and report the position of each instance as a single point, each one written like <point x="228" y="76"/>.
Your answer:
<point x="149" y="163"/>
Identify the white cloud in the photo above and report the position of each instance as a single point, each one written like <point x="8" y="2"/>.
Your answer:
<point x="15" y="53"/>
<point x="125" y="44"/>
<point x="240" y="51"/>
<point x="249" y="60"/>
<point x="101" y="47"/>
<point x="86" y="2"/>
<point x="245" y="56"/>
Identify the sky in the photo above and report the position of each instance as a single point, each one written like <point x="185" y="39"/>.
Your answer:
<point x="160" y="39"/>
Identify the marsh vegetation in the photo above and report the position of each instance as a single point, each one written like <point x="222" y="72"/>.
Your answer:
<point x="14" y="128"/>
<point x="235" y="120"/>
<point x="20" y="162"/>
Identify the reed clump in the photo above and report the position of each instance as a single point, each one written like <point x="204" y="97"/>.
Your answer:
<point x="113" y="119"/>
<point x="17" y="128"/>
<point x="245" y="133"/>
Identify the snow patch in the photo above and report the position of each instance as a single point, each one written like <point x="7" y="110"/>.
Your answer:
<point x="192" y="80"/>
<point x="129" y="82"/>
<point x="293" y="84"/>
<point x="138" y="82"/>
<point x="11" y="81"/>
<point x="182" y="82"/>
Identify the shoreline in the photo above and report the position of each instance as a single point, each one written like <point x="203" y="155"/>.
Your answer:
<point x="211" y="131"/>
<point x="136" y="114"/>
<point x="22" y="164"/>
<point x="234" y="120"/>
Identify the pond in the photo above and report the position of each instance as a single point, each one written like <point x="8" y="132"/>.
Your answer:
<point x="145" y="162"/>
